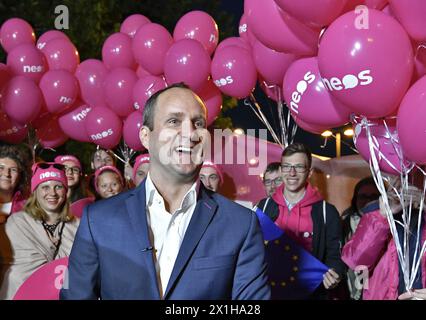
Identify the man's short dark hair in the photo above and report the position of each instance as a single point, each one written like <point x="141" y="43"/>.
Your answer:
<point x="273" y="166"/>
<point x="298" y="148"/>
<point x="149" y="110"/>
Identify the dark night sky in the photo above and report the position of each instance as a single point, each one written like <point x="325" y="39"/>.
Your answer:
<point x="244" y="118"/>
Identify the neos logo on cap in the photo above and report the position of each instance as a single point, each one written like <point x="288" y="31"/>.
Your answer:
<point x="102" y="135"/>
<point x="301" y="87"/>
<point x="50" y="174"/>
<point x="349" y="81"/>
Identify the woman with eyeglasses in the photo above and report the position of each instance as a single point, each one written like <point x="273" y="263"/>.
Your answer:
<point x="77" y="195"/>
<point x="42" y="232"/>
<point x="13" y="180"/>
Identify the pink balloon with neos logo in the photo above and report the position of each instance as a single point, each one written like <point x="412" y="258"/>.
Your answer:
<point x="272" y="65"/>
<point x="386" y="151"/>
<point x="14" y="32"/>
<point x="187" y="61"/>
<point x="200" y="26"/>
<point x="131" y="128"/>
<point x="51" y="135"/>
<point x="50" y="35"/>
<point x="150" y="46"/>
<point x="132" y="23"/>
<point x="10" y="131"/>
<point x="117" y="51"/>
<point x="27" y="60"/>
<point x="60" y="90"/>
<point x="144" y="88"/>
<point x="357" y="67"/>
<point x="118" y="90"/>
<point x="234" y="72"/>
<point x="103" y="127"/>
<point x="308" y="98"/>
<point x="61" y="54"/>
<point x="314" y="13"/>
<point x="91" y="75"/>
<point x="21" y="99"/>
<point x="279" y="31"/>
<point x="72" y="122"/>
<point x="212" y="98"/>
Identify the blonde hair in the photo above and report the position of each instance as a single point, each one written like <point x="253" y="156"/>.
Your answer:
<point x="32" y="207"/>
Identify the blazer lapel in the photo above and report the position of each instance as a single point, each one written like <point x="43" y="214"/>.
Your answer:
<point x="203" y="214"/>
<point x="136" y="209"/>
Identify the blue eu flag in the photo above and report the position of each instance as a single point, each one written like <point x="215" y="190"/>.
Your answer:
<point x="293" y="272"/>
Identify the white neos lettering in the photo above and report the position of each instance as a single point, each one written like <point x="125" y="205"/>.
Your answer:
<point x="65" y="100"/>
<point x="34" y="69"/>
<point x="102" y="135"/>
<point x="349" y="81"/>
<point x="242" y="28"/>
<point x="50" y="174"/>
<point x="81" y="115"/>
<point x="136" y="106"/>
<point x="212" y="38"/>
<point x="301" y="87"/>
<point x="224" y="81"/>
<point x="8" y="132"/>
<point x="41" y="45"/>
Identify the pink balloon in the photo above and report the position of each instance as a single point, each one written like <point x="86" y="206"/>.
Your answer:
<point x="10" y="131"/>
<point x="269" y="89"/>
<point x="117" y="51"/>
<point x="150" y="46"/>
<point x="411" y="125"/>
<point x="132" y="23"/>
<point x="308" y="99"/>
<point x="200" y="26"/>
<point x="60" y="90"/>
<point x="356" y="65"/>
<point x="244" y="31"/>
<point x="278" y="31"/>
<point x="27" y="60"/>
<point x="72" y="122"/>
<point x="314" y="13"/>
<point x="420" y="61"/>
<point x="4" y="77"/>
<point x="144" y="88"/>
<point x="21" y="100"/>
<point x="411" y="14"/>
<point x="376" y="4"/>
<point x="309" y="127"/>
<point x="234" y="72"/>
<point x="212" y="98"/>
<point x="61" y="54"/>
<point x="118" y="90"/>
<point x="50" y="35"/>
<point x="234" y="41"/>
<point x="103" y="127"/>
<point x="141" y="72"/>
<point x="387" y="156"/>
<point x="42" y="118"/>
<point x="14" y="32"/>
<point x="131" y="128"/>
<point x="51" y="135"/>
<point x="91" y="75"/>
<point x="272" y="65"/>
<point x="187" y="61"/>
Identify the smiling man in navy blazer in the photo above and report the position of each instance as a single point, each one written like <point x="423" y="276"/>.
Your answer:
<point x="170" y="238"/>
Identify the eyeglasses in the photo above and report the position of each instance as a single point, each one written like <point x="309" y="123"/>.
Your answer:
<point x="46" y="165"/>
<point x="276" y="181"/>
<point x="299" y="168"/>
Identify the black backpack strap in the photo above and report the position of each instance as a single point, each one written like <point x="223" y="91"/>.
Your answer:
<point x="270" y="208"/>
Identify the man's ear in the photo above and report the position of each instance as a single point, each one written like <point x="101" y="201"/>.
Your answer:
<point x="144" y="134"/>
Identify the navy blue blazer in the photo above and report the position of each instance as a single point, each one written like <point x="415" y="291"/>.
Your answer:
<point x="221" y="256"/>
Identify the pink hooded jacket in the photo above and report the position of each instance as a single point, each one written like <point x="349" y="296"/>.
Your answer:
<point x="372" y="246"/>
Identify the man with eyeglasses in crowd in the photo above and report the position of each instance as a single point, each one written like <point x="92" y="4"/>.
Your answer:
<point x="299" y="209"/>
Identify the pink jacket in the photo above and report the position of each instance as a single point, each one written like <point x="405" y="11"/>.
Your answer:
<point x="372" y="246"/>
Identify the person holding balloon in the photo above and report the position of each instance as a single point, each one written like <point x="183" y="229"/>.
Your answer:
<point x="43" y="231"/>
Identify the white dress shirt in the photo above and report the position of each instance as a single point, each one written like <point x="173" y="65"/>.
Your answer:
<point x="167" y="229"/>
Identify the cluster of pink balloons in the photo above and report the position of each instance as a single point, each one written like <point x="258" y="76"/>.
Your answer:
<point x="45" y="86"/>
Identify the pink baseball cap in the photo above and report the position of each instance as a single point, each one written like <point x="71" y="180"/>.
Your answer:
<point x="140" y="159"/>
<point x="210" y="164"/>
<point x="64" y="158"/>
<point x="47" y="171"/>
<point x="107" y="168"/>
